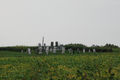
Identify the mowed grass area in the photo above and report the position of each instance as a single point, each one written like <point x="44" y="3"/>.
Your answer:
<point x="83" y="66"/>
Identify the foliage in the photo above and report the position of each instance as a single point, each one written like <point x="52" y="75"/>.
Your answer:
<point x="17" y="48"/>
<point x="83" y="66"/>
<point x="111" y="45"/>
<point x="81" y="46"/>
<point x="75" y="46"/>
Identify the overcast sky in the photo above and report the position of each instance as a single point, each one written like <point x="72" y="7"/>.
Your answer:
<point x="25" y="22"/>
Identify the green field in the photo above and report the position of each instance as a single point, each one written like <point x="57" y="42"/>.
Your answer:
<point x="83" y="66"/>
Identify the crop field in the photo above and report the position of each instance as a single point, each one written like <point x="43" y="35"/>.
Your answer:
<point x="83" y="66"/>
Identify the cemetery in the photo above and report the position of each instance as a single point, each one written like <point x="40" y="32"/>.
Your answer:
<point x="58" y="62"/>
<point x="59" y="40"/>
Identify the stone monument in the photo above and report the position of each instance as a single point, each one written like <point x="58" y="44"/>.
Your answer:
<point x="47" y="50"/>
<point x="84" y="50"/>
<point x="63" y="49"/>
<point x="54" y="50"/>
<point x="28" y="51"/>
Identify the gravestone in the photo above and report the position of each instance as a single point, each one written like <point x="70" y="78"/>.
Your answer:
<point x="94" y="50"/>
<point x="89" y="51"/>
<point x="70" y="51"/>
<point x="44" y="46"/>
<point x="39" y="44"/>
<point x="28" y="51"/>
<point x="40" y="50"/>
<point x="84" y="50"/>
<point x="51" y="49"/>
<point x="54" y="50"/>
<point x="52" y="45"/>
<point x="63" y="49"/>
<point x="47" y="50"/>
<point x="56" y="44"/>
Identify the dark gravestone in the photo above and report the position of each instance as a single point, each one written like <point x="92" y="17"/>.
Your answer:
<point x="56" y="44"/>
<point x="39" y="45"/>
<point x="61" y="47"/>
<point x="52" y="45"/>
<point x="44" y="46"/>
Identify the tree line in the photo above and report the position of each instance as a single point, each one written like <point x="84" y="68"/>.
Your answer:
<point x="105" y="48"/>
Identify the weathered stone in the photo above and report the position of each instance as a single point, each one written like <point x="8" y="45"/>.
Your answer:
<point x="39" y="50"/>
<point x="29" y="52"/>
<point x="54" y="50"/>
<point x="63" y="49"/>
<point x="51" y="49"/>
<point x="84" y="50"/>
<point x="94" y="50"/>
<point x="47" y="50"/>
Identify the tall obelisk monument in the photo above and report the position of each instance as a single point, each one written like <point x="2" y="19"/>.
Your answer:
<point x="43" y="41"/>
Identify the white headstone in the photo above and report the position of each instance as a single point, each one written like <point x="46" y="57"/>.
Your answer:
<point x="47" y="50"/>
<point x="54" y="50"/>
<point x="29" y="51"/>
<point x="83" y="50"/>
<point x="94" y="50"/>
<point x="63" y="49"/>
<point x="40" y="50"/>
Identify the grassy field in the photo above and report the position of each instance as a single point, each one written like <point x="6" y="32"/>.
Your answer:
<point x="83" y="66"/>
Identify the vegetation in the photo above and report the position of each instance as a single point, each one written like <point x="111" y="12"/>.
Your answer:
<point x="111" y="45"/>
<point x="83" y="66"/>
<point x="98" y="48"/>
<point x="17" y="48"/>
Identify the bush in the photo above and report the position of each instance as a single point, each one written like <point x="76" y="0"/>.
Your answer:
<point x="16" y="48"/>
<point x="81" y="47"/>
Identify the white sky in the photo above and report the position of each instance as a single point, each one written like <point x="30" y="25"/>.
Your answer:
<point x="25" y="22"/>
